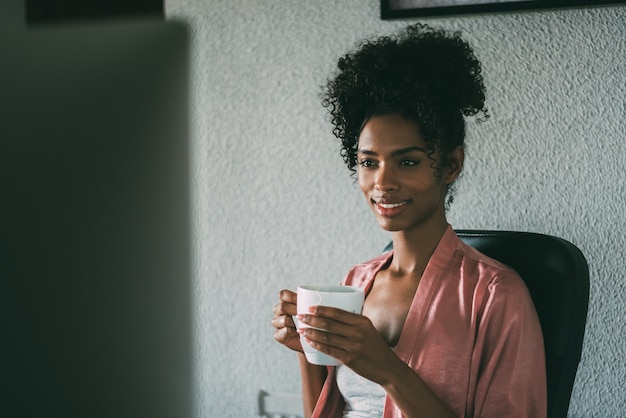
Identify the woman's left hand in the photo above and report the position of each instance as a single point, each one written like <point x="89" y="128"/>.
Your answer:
<point x="351" y="339"/>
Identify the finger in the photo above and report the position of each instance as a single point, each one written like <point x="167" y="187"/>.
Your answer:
<point x="336" y="314"/>
<point x="285" y="308"/>
<point x="317" y="336"/>
<point x="289" y="338"/>
<point x="288" y="296"/>
<point x="319" y="322"/>
<point x="325" y="342"/>
<point x="283" y="335"/>
<point x="283" y="321"/>
<point x="323" y="323"/>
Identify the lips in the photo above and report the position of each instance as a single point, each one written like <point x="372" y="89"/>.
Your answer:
<point x="388" y="208"/>
<point x="391" y="205"/>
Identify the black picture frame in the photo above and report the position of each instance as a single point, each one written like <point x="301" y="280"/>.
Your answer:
<point x="42" y="12"/>
<point x="402" y="9"/>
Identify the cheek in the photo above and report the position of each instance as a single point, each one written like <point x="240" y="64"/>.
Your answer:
<point x="426" y="184"/>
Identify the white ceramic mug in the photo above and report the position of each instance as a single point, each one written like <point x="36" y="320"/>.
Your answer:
<point x="347" y="298"/>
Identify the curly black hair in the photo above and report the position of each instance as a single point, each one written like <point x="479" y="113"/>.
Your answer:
<point x="426" y="75"/>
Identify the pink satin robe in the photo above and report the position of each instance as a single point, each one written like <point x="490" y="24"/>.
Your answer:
<point x="472" y="335"/>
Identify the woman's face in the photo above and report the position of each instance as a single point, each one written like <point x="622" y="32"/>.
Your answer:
<point x="398" y="178"/>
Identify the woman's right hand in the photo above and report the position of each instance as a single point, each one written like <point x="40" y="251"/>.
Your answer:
<point x="285" y="328"/>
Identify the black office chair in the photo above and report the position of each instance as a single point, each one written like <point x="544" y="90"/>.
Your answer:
<point x="557" y="276"/>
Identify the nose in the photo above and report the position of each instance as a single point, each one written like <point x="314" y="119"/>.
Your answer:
<point x="386" y="178"/>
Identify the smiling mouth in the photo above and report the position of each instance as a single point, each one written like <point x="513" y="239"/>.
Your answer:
<point x="389" y="209"/>
<point x="391" y="205"/>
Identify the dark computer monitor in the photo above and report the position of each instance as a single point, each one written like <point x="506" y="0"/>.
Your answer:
<point x="94" y="222"/>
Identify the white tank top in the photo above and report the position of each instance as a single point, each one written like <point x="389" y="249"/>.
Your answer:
<point x="364" y="398"/>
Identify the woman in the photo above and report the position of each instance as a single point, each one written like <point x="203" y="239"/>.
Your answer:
<point x="445" y="330"/>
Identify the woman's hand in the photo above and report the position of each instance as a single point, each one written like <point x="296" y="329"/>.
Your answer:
<point x="285" y="329"/>
<point x="353" y="340"/>
<point x="350" y="338"/>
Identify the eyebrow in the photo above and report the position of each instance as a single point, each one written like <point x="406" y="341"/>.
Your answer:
<point x="397" y="152"/>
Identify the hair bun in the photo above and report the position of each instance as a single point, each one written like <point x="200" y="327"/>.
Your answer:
<point x="446" y="65"/>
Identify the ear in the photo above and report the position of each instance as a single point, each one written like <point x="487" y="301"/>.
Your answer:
<point x="455" y="165"/>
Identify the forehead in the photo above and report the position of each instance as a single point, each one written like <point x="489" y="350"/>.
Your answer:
<point x="389" y="132"/>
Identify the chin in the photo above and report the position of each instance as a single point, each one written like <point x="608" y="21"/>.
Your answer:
<point x="391" y="226"/>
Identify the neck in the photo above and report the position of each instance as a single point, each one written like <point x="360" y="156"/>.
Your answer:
<point x="412" y="249"/>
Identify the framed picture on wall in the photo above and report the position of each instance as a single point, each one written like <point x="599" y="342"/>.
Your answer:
<point x="398" y="9"/>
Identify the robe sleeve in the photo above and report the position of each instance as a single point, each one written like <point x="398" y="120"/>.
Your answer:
<point x="330" y="403"/>
<point x="508" y="362"/>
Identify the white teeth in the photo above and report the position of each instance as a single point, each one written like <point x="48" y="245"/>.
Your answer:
<point x="390" y="205"/>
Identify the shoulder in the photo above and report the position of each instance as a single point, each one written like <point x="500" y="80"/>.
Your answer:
<point x="460" y="261"/>
<point x="492" y="279"/>
<point x="484" y="267"/>
<point x="361" y="274"/>
<point x="500" y="294"/>
<point x="472" y="255"/>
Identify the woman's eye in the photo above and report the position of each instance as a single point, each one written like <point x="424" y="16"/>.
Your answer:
<point x="409" y="163"/>
<point x="366" y="163"/>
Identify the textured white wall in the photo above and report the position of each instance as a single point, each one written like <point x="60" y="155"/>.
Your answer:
<point x="274" y="205"/>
